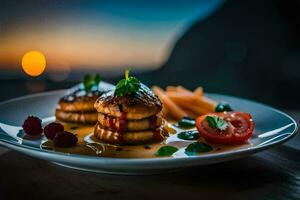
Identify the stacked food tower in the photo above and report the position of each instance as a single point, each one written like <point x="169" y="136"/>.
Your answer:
<point x="129" y="114"/>
<point x="78" y="106"/>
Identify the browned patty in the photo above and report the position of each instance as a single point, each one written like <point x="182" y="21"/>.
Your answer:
<point x="142" y="104"/>
<point x="132" y="137"/>
<point x="78" y="107"/>
<point x="113" y="123"/>
<point x="77" y="117"/>
<point x="79" y="101"/>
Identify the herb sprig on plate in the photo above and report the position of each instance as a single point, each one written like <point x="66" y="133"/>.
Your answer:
<point x="128" y="86"/>
<point x="89" y="82"/>
<point x="216" y="122"/>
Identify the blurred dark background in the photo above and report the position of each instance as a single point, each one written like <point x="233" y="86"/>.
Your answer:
<point x="247" y="48"/>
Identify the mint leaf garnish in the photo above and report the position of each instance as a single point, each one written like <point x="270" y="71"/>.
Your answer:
<point x="216" y="122"/>
<point x="90" y="82"/>
<point x="128" y="86"/>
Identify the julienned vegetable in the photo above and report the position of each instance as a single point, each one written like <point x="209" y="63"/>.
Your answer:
<point x="169" y="105"/>
<point x="179" y="101"/>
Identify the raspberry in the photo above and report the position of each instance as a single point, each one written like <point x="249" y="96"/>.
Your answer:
<point x="65" y="139"/>
<point x="32" y="126"/>
<point x="52" y="129"/>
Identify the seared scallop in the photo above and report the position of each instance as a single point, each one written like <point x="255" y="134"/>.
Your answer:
<point x="78" y="107"/>
<point x="78" y="101"/>
<point x="142" y="104"/>
<point x="77" y="117"/>
<point x="132" y="137"/>
<point x="114" y="123"/>
<point x="133" y="118"/>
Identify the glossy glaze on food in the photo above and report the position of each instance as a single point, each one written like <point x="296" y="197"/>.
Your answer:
<point x="141" y="105"/>
<point x="78" y="107"/>
<point x="79" y="100"/>
<point x="118" y="124"/>
<point x="89" y="145"/>
<point x="130" y="119"/>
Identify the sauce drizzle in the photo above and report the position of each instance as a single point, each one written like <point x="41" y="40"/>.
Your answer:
<point x="89" y="145"/>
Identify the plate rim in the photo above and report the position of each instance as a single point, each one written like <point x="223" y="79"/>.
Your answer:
<point x="11" y="144"/>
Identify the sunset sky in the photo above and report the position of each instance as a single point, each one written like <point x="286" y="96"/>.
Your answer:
<point x="95" y="34"/>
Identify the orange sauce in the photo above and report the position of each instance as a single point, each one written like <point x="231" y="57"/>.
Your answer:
<point x="89" y="145"/>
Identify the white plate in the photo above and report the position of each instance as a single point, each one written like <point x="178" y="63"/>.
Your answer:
<point x="272" y="127"/>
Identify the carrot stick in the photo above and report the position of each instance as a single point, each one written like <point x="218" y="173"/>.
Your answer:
<point x="198" y="110"/>
<point x="198" y="92"/>
<point x="171" y="88"/>
<point x="206" y="103"/>
<point x="184" y="90"/>
<point x="173" y="109"/>
<point x="183" y="97"/>
<point x="190" y="113"/>
<point x="201" y="101"/>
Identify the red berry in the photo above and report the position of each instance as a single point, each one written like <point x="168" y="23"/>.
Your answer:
<point x="32" y="126"/>
<point x="65" y="139"/>
<point x="52" y="129"/>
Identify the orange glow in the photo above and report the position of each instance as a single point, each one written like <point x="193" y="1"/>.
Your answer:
<point x="86" y="47"/>
<point x="33" y="63"/>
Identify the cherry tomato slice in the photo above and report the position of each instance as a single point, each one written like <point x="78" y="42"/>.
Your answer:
<point x="239" y="130"/>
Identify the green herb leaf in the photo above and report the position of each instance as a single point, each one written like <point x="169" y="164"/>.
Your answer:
<point x="188" y="135"/>
<point x="97" y="79"/>
<point x="222" y="107"/>
<point x="90" y="82"/>
<point x="197" y="147"/>
<point x="128" y="86"/>
<point x="166" y="151"/>
<point x="216" y="122"/>
<point x="186" y="122"/>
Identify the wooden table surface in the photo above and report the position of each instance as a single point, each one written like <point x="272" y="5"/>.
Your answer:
<point x="272" y="174"/>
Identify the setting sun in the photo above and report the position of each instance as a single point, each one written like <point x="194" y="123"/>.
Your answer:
<point x="33" y="63"/>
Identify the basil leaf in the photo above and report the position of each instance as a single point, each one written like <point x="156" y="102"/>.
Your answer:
<point x="128" y="86"/>
<point x="197" y="147"/>
<point x="186" y="122"/>
<point x="97" y="79"/>
<point x="216" y="122"/>
<point x="90" y="82"/>
<point x="222" y="107"/>
<point x="87" y="82"/>
<point x="166" y="151"/>
<point x="211" y="121"/>
<point x="188" y="135"/>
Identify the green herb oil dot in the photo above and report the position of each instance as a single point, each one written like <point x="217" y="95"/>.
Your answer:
<point x="166" y="151"/>
<point x="186" y="122"/>
<point x="197" y="147"/>
<point x="188" y="135"/>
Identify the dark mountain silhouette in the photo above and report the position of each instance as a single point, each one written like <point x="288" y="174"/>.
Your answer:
<point x="247" y="48"/>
